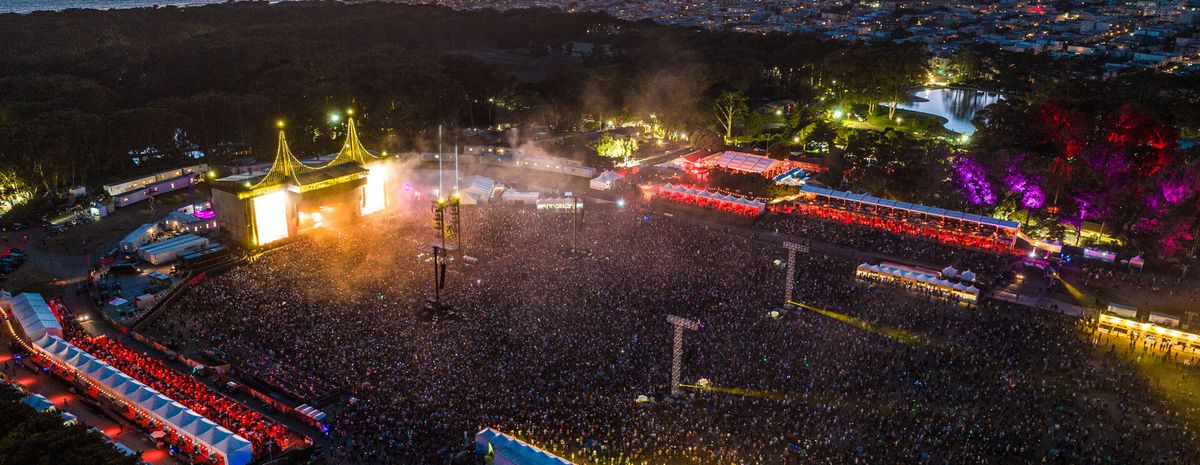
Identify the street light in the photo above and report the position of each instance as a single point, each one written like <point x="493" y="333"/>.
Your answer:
<point x="837" y="113"/>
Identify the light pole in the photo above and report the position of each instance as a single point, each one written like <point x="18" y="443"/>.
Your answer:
<point x="679" y="325"/>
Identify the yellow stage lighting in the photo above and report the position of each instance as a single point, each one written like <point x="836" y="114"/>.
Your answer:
<point x="375" y="192"/>
<point x="270" y="217"/>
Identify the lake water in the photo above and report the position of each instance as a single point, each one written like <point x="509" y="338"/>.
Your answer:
<point x="958" y="106"/>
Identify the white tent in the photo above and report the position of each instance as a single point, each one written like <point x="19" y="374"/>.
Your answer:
<point x="607" y="180"/>
<point x="949" y="272"/>
<point x="476" y="189"/>
<point x="34" y="316"/>
<point x="234" y="449"/>
<point x="527" y="198"/>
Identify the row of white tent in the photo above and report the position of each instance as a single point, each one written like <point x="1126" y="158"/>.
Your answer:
<point x="233" y="449"/>
<point x="918" y="276"/>
<point x="951" y="272"/>
<point x="32" y="314"/>
<point x="759" y="205"/>
<point x="311" y="412"/>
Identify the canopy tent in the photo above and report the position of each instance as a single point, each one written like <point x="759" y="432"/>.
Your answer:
<point x="508" y="450"/>
<point x="605" y="181"/>
<point x="38" y="402"/>
<point x="558" y="203"/>
<point x="745" y="162"/>
<point x="33" y="315"/>
<point x="864" y="199"/>
<point x="476" y="189"/>
<point x="887" y="272"/>
<point x="792" y="177"/>
<point x="233" y="449"/>
<point x="712" y="199"/>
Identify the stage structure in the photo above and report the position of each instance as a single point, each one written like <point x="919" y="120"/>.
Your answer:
<point x="679" y="324"/>
<point x="293" y="197"/>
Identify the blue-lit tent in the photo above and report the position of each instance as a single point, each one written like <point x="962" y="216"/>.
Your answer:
<point x="507" y="450"/>
<point x="38" y="402"/>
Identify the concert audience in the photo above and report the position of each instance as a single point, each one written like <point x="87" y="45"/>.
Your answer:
<point x="555" y="348"/>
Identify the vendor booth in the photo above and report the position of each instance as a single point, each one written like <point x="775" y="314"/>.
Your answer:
<point x="918" y="280"/>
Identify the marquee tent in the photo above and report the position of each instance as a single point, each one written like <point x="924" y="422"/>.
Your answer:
<point x="173" y="416"/>
<point x="33" y="315"/>
<point x="866" y="200"/>
<point x="711" y="199"/>
<point x="745" y="162"/>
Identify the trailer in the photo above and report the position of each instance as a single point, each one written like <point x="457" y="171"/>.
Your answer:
<point x="138" y="237"/>
<point x="166" y="251"/>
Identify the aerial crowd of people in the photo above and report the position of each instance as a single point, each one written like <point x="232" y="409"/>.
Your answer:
<point x="556" y="348"/>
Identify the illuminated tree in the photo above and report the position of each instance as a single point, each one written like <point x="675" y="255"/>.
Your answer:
<point x="14" y="191"/>
<point x="729" y="107"/>
<point x="612" y="147"/>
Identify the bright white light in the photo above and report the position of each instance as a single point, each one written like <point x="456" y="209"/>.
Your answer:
<point x="621" y="203"/>
<point x="837" y="114"/>
<point x="1033" y="253"/>
<point x="374" y="192"/>
<point x="270" y="217"/>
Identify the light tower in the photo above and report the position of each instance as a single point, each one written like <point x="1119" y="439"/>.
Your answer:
<point x="790" y="285"/>
<point x="679" y="324"/>
<point x="439" y="249"/>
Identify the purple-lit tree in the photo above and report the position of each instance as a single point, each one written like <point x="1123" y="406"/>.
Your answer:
<point x="1026" y="187"/>
<point x="971" y="178"/>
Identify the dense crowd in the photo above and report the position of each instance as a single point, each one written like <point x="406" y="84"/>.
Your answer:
<point x="263" y="366"/>
<point x="555" y="348"/>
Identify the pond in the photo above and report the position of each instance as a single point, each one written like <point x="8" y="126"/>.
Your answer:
<point x="957" y="106"/>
